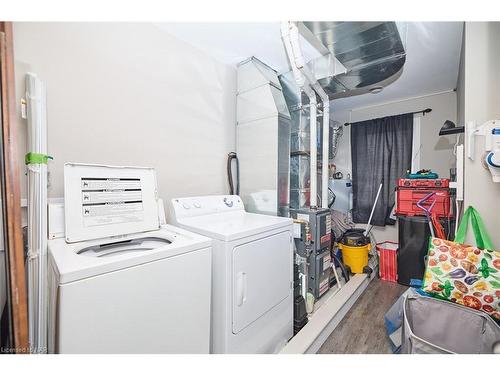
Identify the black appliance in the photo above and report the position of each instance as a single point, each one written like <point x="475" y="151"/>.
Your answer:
<point x="414" y="234"/>
<point x="319" y="259"/>
<point x="299" y="304"/>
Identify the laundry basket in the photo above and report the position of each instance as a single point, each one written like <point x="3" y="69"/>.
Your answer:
<point x="433" y="326"/>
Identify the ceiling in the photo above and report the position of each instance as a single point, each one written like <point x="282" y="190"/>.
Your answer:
<point x="231" y="43"/>
<point x="432" y="61"/>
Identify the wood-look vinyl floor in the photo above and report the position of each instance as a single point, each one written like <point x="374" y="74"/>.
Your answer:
<point x="362" y="331"/>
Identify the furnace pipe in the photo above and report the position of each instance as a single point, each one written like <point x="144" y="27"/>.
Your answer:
<point x="309" y="77"/>
<point x="304" y="84"/>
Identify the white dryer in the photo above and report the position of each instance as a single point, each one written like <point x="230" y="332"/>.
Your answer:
<point x="252" y="281"/>
<point x="114" y="289"/>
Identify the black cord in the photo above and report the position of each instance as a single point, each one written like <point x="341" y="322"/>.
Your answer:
<point x="230" y="157"/>
<point x="345" y="273"/>
<point x="342" y="266"/>
<point x="333" y="198"/>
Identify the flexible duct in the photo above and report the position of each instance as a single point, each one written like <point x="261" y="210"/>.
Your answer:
<point x="337" y="134"/>
<point x="232" y="189"/>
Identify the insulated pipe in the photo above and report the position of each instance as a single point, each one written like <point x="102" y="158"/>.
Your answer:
<point x="296" y="62"/>
<point x="309" y="77"/>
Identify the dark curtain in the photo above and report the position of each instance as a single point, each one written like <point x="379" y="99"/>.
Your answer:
<point x="381" y="151"/>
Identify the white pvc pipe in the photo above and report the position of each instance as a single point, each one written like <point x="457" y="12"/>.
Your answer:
<point x="285" y="34"/>
<point x="324" y="162"/>
<point x="298" y="57"/>
<point x="337" y="278"/>
<point x="313" y="201"/>
<point x="326" y="133"/>
<point x="296" y="61"/>
<point x="309" y="77"/>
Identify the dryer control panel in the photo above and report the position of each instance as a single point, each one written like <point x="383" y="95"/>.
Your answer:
<point x="205" y="205"/>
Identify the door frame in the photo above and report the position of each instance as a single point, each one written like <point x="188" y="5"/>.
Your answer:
<point x="11" y="197"/>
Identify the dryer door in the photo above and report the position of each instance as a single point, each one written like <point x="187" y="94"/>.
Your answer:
<point x="261" y="279"/>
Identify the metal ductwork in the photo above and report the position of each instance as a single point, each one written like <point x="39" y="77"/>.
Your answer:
<point x="356" y="57"/>
<point x="371" y="52"/>
<point x="274" y="122"/>
<point x="262" y="139"/>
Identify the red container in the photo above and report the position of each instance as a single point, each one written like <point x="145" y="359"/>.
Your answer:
<point x="424" y="183"/>
<point x="407" y="199"/>
<point x="388" y="261"/>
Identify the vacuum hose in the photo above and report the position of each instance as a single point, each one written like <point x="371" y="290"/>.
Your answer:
<point x="230" y="157"/>
<point x="345" y="273"/>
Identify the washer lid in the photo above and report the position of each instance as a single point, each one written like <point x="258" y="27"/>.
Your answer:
<point x="86" y="259"/>
<point x="103" y="201"/>
<point x="233" y="225"/>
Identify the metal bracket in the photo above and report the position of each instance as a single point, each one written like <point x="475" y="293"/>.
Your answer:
<point x="484" y="129"/>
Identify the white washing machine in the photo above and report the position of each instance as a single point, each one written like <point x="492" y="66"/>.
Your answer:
<point x="116" y="289"/>
<point x="252" y="281"/>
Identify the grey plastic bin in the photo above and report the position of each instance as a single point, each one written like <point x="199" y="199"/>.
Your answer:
<point x="433" y="326"/>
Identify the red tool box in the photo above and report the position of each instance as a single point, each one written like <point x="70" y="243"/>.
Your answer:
<point x="407" y="198"/>
<point x="424" y="183"/>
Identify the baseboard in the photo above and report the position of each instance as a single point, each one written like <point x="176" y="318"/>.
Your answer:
<point x="325" y="319"/>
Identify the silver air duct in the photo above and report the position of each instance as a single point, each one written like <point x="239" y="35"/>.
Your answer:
<point x="305" y="79"/>
<point x="262" y="139"/>
<point x="357" y="56"/>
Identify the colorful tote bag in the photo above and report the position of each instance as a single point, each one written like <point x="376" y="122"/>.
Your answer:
<point x="465" y="274"/>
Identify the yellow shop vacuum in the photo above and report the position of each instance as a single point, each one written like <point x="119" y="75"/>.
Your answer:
<point x="355" y="247"/>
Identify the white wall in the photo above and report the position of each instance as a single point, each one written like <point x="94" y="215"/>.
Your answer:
<point x="461" y="85"/>
<point x="130" y="94"/>
<point x="436" y="152"/>
<point x="482" y="103"/>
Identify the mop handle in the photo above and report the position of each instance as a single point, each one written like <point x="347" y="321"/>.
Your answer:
<point x="373" y="210"/>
